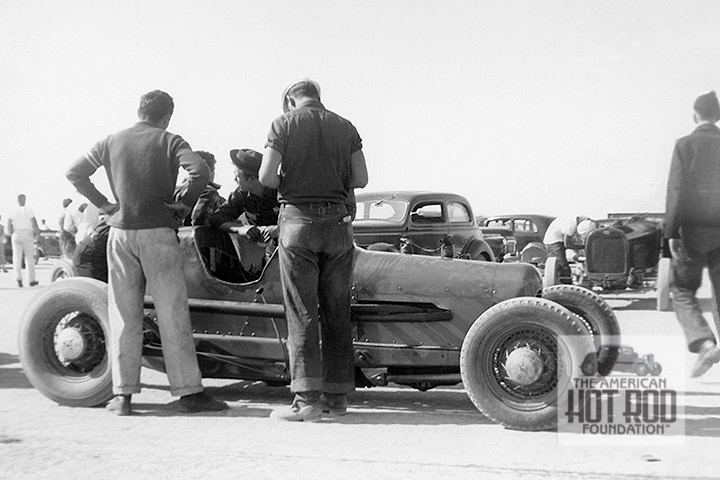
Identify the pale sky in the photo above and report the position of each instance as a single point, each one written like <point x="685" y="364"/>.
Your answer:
<point x="553" y="107"/>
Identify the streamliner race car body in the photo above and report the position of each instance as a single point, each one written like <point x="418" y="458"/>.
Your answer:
<point x="420" y="321"/>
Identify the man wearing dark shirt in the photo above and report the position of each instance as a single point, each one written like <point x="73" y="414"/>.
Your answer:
<point x="314" y="157"/>
<point x="692" y="223"/>
<point x="258" y="203"/>
<point x="142" y="163"/>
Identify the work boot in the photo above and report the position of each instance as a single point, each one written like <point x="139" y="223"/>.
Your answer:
<point x="708" y="356"/>
<point x="120" y="405"/>
<point x="306" y="407"/>
<point x="200" y="402"/>
<point x="335" y="403"/>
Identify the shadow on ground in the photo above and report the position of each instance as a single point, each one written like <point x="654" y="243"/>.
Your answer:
<point x="12" y="376"/>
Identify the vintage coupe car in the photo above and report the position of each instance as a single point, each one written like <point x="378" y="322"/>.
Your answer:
<point x="517" y="237"/>
<point x="419" y="321"/>
<point x="423" y="223"/>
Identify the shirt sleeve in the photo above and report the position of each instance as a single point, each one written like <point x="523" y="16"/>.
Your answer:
<point x="277" y="137"/>
<point x="672" y="200"/>
<point x="82" y="169"/>
<point x="198" y="172"/>
<point x="229" y="211"/>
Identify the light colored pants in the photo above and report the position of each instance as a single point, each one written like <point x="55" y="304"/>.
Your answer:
<point x="23" y="244"/>
<point x="151" y="257"/>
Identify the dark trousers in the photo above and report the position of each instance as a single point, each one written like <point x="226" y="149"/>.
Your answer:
<point x="316" y="252"/>
<point x="558" y="251"/>
<point x="700" y="248"/>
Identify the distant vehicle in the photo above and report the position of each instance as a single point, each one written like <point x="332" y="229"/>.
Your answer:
<point x="48" y="244"/>
<point x="517" y="237"/>
<point x="620" y="254"/>
<point x="422" y="223"/>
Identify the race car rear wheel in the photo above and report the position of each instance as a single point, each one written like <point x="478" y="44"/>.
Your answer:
<point x="63" y="343"/>
<point x="519" y="358"/>
<point x="62" y="269"/>
<point x="597" y="316"/>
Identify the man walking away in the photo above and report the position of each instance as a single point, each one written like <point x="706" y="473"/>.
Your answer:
<point x="692" y="223"/>
<point x="143" y="250"/>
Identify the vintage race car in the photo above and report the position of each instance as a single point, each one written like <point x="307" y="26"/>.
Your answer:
<point x="419" y="321"/>
<point x="624" y="252"/>
<point x="422" y="223"/>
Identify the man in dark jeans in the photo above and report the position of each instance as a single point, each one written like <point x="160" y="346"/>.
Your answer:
<point x="143" y="250"/>
<point x="314" y="158"/>
<point x="692" y="223"/>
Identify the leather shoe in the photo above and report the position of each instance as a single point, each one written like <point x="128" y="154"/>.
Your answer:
<point x="32" y="284"/>
<point x="200" y="402"/>
<point x="19" y="283"/>
<point x="120" y="405"/>
<point x="299" y="412"/>
<point x="707" y="357"/>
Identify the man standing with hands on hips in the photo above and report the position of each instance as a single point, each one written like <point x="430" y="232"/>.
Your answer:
<point x="314" y="158"/>
<point x="142" y="165"/>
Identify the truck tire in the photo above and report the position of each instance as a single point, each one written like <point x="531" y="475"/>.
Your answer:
<point x="597" y="316"/>
<point x="519" y="359"/>
<point x="62" y="343"/>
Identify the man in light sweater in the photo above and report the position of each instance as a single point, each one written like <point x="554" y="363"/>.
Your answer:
<point x="142" y="164"/>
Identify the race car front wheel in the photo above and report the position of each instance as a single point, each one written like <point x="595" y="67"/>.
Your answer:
<point x="518" y="361"/>
<point x="63" y="343"/>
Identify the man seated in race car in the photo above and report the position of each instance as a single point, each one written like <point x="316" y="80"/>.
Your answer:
<point x="252" y="208"/>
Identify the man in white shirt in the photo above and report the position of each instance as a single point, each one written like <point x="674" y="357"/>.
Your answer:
<point x="23" y="228"/>
<point x="559" y="237"/>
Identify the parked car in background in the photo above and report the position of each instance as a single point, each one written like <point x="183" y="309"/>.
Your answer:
<point x="48" y="244"/>
<point x="422" y="223"/>
<point x="418" y="321"/>
<point x="517" y="237"/>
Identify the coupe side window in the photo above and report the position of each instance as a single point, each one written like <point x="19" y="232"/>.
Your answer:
<point x="427" y="213"/>
<point x="458" y="213"/>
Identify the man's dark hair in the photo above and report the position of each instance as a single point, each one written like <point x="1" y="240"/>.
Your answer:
<point x="21" y="199"/>
<point x="304" y="89"/>
<point x="155" y="105"/>
<point x="208" y="157"/>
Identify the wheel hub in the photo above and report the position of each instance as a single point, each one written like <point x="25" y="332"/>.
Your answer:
<point x="524" y="366"/>
<point x="70" y="344"/>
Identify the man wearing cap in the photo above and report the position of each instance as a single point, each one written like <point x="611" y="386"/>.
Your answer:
<point x="314" y="157"/>
<point x="561" y="234"/>
<point x="692" y="225"/>
<point x="258" y="203"/>
<point x="142" y="165"/>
